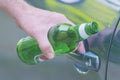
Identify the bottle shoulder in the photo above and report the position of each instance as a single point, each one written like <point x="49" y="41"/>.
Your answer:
<point x="61" y="32"/>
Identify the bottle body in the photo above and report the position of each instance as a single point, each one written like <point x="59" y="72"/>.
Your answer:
<point x="63" y="39"/>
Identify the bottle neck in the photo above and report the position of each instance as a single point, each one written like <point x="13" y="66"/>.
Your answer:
<point x="86" y="29"/>
<point x="91" y="28"/>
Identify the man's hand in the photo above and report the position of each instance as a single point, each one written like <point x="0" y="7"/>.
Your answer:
<point x="36" y="22"/>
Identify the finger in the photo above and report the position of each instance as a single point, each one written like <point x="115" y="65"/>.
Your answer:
<point x="81" y="47"/>
<point x="45" y="47"/>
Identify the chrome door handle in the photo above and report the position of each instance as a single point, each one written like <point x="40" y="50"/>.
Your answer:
<point x="85" y="62"/>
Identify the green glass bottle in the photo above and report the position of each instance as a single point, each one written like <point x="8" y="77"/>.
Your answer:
<point x="63" y="39"/>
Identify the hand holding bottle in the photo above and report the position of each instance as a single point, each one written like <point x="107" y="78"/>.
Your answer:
<point x="35" y="22"/>
<point x="63" y="38"/>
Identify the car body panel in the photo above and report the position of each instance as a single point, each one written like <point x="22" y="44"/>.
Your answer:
<point x="105" y="13"/>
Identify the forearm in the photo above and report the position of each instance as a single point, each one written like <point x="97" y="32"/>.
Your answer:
<point x="14" y="7"/>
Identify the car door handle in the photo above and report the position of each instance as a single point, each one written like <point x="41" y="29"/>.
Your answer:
<point x="85" y="62"/>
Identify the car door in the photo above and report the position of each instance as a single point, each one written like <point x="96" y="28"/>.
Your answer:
<point x="113" y="70"/>
<point x="105" y="13"/>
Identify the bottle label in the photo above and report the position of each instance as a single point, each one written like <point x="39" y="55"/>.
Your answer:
<point x="82" y="31"/>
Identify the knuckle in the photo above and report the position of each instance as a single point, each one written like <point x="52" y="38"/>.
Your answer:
<point x="60" y="15"/>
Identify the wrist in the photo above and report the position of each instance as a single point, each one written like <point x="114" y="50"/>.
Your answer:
<point x="13" y="7"/>
<point x="2" y="3"/>
<point x="17" y="8"/>
<point x="7" y="3"/>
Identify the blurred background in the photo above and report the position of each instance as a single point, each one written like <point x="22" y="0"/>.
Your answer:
<point x="60" y="68"/>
